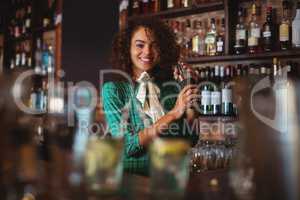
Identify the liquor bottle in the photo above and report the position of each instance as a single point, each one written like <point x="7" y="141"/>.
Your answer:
<point x="145" y="6"/>
<point x="254" y="32"/>
<point x="123" y="13"/>
<point x="205" y="106"/>
<point x="227" y="105"/>
<point x="136" y="7"/>
<point x="275" y="67"/>
<point x="187" y="38"/>
<point x="263" y="70"/>
<point x="28" y="19"/>
<point x="296" y="28"/>
<point x="45" y="59"/>
<point x="198" y="43"/>
<point x="155" y="6"/>
<point x="49" y="13"/>
<point x="38" y="57"/>
<point x="177" y="3"/>
<point x="50" y="67"/>
<point x="17" y="31"/>
<point x="195" y="38"/>
<point x="268" y="32"/>
<point x="38" y="96"/>
<point x="284" y="28"/>
<point x="23" y="56"/>
<point x="18" y="56"/>
<point x="201" y="33"/>
<point x="186" y="3"/>
<point x="216" y="93"/>
<point x="239" y="70"/>
<point x="210" y="39"/>
<point x="170" y="4"/>
<point x="221" y="39"/>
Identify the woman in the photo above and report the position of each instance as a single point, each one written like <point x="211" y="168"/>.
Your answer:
<point x="146" y="51"/>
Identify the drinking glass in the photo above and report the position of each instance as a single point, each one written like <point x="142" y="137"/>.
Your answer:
<point x="169" y="168"/>
<point x="103" y="167"/>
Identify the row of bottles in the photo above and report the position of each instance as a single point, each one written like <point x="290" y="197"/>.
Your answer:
<point x="38" y="94"/>
<point x="216" y="91"/>
<point x="138" y="7"/>
<point x="43" y="57"/>
<point x="22" y="56"/>
<point x="22" y="24"/>
<point x="269" y="37"/>
<point x="216" y="83"/>
<point x="200" y="37"/>
<point x="21" y="21"/>
<point x="276" y="68"/>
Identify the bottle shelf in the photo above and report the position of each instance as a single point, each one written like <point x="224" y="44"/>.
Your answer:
<point x="179" y="12"/>
<point x="211" y="118"/>
<point x="244" y="57"/>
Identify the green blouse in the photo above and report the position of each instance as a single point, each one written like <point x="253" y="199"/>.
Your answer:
<point x="119" y="101"/>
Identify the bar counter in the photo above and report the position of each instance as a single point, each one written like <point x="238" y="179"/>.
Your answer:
<point x="212" y="185"/>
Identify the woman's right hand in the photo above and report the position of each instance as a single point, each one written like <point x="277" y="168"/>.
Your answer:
<point x="187" y="96"/>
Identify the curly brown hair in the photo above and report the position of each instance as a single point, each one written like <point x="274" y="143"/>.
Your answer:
<point x="163" y="35"/>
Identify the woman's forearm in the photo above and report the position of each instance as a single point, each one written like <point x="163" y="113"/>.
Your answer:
<point x="149" y="133"/>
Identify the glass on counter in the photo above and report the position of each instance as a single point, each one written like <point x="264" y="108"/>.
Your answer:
<point x="103" y="167"/>
<point x="169" y="168"/>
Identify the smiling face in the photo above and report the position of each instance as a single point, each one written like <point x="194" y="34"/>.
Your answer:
<point x="144" y="51"/>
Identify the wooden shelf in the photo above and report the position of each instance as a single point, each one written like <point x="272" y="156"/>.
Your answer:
<point x="171" y="13"/>
<point x="217" y="118"/>
<point x="261" y="56"/>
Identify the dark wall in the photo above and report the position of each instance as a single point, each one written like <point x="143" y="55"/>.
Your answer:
<point x="88" y="29"/>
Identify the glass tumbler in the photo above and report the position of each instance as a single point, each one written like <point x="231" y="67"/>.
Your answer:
<point x="103" y="167"/>
<point x="169" y="168"/>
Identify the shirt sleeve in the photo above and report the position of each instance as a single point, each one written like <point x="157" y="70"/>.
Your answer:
<point x="116" y="111"/>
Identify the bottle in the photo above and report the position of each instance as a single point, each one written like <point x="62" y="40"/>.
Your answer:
<point x="201" y="33"/>
<point x="50" y="67"/>
<point x="187" y="40"/>
<point x="123" y="13"/>
<point x="221" y="39"/>
<point x="38" y="57"/>
<point x="284" y="28"/>
<point x="170" y="4"/>
<point x="17" y="31"/>
<point x="216" y="93"/>
<point x="205" y="106"/>
<point x="145" y="6"/>
<point x="210" y="39"/>
<point x="28" y="19"/>
<point x="155" y="6"/>
<point x="195" y="38"/>
<point x="254" y="32"/>
<point x="239" y="70"/>
<point x="23" y="56"/>
<point x="136" y="7"/>
<point x="227" y="105"/>
<point x="186" y="3"/>
<point x="268" y="32"/>
<point x="198" y="43"/>
<point x="296" y="28"/>
<point x="275" y="67"/>
<point x="45" y="59"/>
<point x="18" y="56"/>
